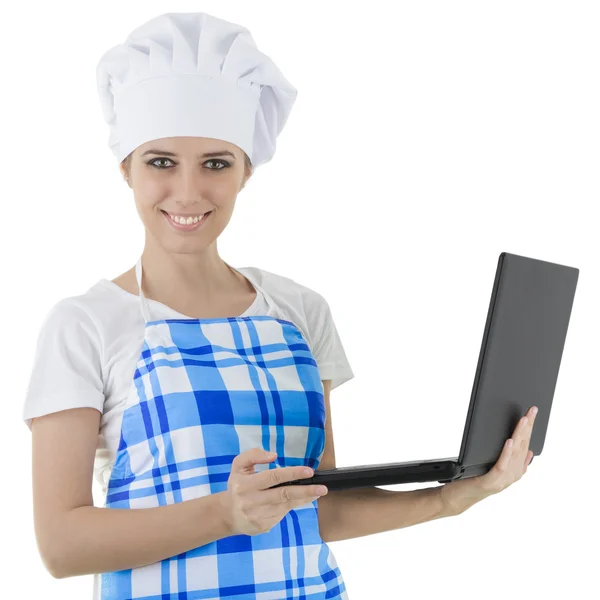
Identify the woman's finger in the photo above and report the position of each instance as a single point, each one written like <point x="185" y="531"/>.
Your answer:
<point x="506" y="454"/>
<point x="529" y="458"/>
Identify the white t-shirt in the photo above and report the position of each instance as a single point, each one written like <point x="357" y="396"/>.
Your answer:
<point x="88" y="346"/>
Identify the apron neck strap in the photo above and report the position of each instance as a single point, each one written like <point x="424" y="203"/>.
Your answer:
<point x="143" y="302"/>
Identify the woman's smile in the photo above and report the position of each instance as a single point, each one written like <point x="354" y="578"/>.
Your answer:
<point x="191" y="226"/>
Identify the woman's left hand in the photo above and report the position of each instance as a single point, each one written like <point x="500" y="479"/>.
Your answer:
<point x="512" y="464"/>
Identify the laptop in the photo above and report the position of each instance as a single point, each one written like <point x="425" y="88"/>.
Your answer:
<point x="518" y="367"/>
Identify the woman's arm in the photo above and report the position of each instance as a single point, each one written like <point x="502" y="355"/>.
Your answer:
<point x="76" y="538"/>
<point x="357" y="512"/>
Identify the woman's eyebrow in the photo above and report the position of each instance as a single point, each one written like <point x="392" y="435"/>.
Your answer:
<point x="205" y="155"/>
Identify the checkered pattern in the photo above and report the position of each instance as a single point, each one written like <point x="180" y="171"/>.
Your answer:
<point x="205" y="390"/>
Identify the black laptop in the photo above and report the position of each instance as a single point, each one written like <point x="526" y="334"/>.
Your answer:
<point x="518" y="367"/>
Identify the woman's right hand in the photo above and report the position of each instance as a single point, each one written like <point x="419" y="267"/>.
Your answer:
<point x="250" y="507"/>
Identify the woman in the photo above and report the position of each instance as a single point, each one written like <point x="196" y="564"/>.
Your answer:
<point x="188" y="386"/>
<point x="183" y="372"/>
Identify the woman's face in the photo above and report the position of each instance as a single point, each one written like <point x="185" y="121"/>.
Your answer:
<point x="186" y="176"/>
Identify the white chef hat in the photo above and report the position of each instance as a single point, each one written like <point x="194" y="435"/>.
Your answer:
<point x="192" y="74"/>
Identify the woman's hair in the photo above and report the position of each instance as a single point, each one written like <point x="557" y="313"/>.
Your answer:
<point x="127" y="164"/>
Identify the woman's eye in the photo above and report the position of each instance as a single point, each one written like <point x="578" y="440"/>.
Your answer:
<point x="224" y="163"/>
<point x="152" y="162"/>
<point x="218" y="161"/>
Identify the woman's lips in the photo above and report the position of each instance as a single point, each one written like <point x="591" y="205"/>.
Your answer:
<point x="191" y="227"/>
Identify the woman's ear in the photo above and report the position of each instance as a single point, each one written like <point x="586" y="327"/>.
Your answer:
<point x="124" y="174"/>
<point x="246" y="177"/>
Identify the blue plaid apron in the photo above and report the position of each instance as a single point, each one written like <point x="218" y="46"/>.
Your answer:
<point x="203" y="391"/>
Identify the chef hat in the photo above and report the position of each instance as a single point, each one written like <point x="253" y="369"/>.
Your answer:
<point x="192" y="74"/>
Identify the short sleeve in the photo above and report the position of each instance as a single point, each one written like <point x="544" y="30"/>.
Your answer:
<point x="67" y="364"/>
<point x="327" y="346"/>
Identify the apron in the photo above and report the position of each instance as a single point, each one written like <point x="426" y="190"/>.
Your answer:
<point x="203" y="391"/>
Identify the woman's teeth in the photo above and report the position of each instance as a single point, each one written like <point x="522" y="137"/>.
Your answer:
<point x="188" y="221"/>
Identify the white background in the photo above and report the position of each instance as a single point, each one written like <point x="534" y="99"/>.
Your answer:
<point x="426" y="139"/>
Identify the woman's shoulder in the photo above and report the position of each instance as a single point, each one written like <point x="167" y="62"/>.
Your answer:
<point x="283" y="285"/>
